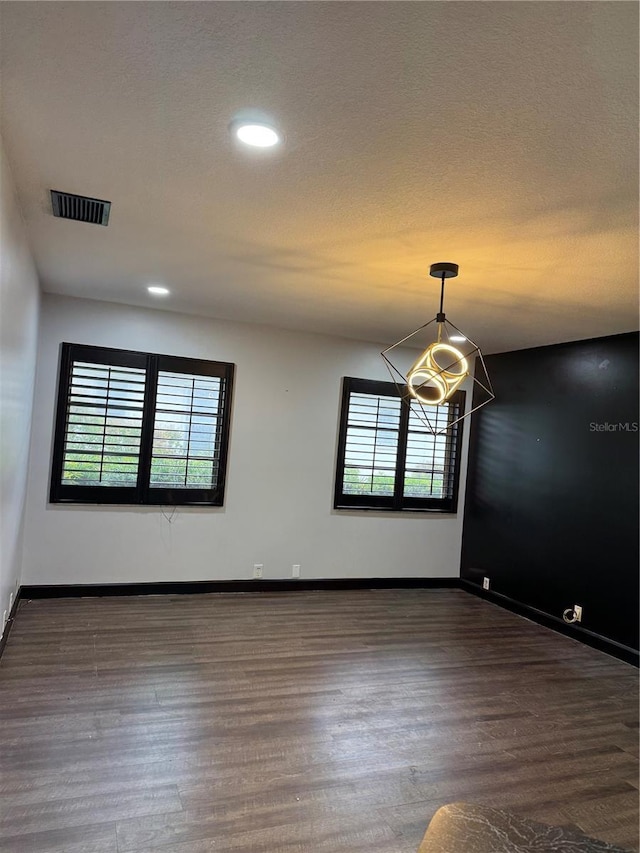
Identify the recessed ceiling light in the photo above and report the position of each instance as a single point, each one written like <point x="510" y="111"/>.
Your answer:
<point x="157" y="290"/>
<point x="257" y="134"/>
<point x="458" y="339"/>
<point x="255" y="128"/>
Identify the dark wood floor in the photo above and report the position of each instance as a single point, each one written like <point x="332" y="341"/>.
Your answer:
<point x="302" y="722"/>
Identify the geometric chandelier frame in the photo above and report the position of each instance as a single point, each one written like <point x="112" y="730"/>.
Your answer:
<point x="442" y="367"/>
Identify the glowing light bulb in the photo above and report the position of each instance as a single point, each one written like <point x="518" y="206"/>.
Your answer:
<point x="429" y="381"/>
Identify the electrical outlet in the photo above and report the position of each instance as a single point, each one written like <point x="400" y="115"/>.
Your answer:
<point x="486" y="583"/>
<point x="577" y="609"/>
<point x="257" y="570"/>
<point x="295" y="571"/>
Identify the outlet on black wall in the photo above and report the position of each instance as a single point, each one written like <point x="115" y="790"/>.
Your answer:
<point x="551" y="511"/>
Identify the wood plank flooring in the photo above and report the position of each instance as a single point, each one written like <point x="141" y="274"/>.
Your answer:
<point x="320" y="722"/>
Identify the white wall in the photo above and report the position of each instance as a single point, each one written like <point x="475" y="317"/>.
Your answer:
<point x="19" y="299"/>
<point x="278" y="502"/>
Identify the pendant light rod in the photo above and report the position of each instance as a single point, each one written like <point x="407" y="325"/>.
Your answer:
<point x="441" y="312"/>
<point x="442" y="270"/>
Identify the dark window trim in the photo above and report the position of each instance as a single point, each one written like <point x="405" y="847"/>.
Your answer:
<point x="141" y="493"/>
<point x="396" y="502"/>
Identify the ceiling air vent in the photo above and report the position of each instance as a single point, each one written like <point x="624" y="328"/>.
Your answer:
<point x="80" y="207"/>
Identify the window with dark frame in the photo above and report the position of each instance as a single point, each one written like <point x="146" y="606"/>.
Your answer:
<point x="388" y="459"/>
<point x="140" y="428"/>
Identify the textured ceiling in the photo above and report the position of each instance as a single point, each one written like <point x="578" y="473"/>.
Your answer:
<point x="499" y="135"/>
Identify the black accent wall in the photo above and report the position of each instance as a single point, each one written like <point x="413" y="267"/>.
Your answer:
<point x="551" y="513"/>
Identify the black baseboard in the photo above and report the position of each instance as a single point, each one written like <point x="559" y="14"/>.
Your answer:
<point x="583" y="635"/>
<point x="9" y="622"/>
<point x="195" y="587"/>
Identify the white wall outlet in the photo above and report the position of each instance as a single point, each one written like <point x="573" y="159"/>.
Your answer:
<point x="577" y="609"/>
<point x="257" y="570"/>
<point x="295" y="571"/>
<point x="486" y="583"/>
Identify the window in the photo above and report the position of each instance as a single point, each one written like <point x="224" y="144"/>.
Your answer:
<point x="388" y="458"/>
<point x="137" y="428"/>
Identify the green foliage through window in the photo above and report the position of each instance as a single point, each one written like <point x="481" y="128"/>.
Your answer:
<point x="388" y="458"/>
<point x="140" y="428"/>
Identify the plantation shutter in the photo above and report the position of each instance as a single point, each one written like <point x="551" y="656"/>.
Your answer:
<point x="190" y="431"/>
<point x="104" y="425"/>
<point x="140" y="428"/>
<point x="389" y="458"/>
<point x="371" y="445"/>
<point x="100" y="410"/>
<point x="431" y="464"/>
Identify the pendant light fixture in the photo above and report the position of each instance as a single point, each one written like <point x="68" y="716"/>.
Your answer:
<point x="445" y="363"/>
